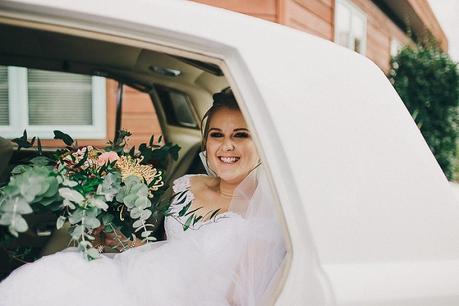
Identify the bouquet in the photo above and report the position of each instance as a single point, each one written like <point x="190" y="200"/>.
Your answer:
<point x="90" y="188"/>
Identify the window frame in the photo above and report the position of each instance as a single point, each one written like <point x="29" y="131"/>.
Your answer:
<point x="221" y="61"/>
<point x="354" y="11"/>
<point x="18" y="111"/>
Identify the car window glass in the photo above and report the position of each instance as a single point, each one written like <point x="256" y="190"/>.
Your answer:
<point x="182" y="109"/>
<point x="177" y="107"/>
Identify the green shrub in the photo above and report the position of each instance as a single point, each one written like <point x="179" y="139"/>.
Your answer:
<point x="427" y="80"/>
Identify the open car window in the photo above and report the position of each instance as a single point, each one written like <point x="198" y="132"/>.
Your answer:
<point x="75" y="89"/>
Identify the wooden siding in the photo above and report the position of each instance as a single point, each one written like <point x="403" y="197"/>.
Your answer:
<point x="311" y="16"/>
<point x="317" y="18"/>
<point x="265" y="9"/>
<point x="425" y="13"/>
<point x="380" y="31"/>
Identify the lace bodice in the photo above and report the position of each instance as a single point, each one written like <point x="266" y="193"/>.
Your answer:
<point x="182" y="197"/>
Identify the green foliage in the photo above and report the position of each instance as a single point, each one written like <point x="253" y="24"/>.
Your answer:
<point x="22" y="141"/>
<point x="32" y="184"/>
<point x="85" y="187"/>
<point x="134" y="194"/>
<point x="64" y="137"/>
<point x="427" y="80"/>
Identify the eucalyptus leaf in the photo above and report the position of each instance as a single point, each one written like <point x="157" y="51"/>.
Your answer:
<point x="69" y="183"/>
<point x="17" y="205"/>
<point x="77" y="232"/>
<point x="84" y="244"/>
<point x="60" y="222"/>
<point x="92" y="212"/>
<point x="99" y="204"/>
<point x="6" y="218"/>
<point x="13" y="231"/>
<point x="142" y="191"/>
<point x="130" y="200"/>
<point x="68" y="203"/>
<point x="76" y="216"/>
<point x="135" y="213"/>
<point x="138" y="223"/>
<point x="50" y="200"/>
<point x="53" y="186"/>
<point x="145" y="234"/>
<point x="131" y="180"/>
<point x="91" y="222"/>
<point x="144" y="215"/>
<point x="40" y="160"/>
<point x="29" y="190"/>
<point x="20" y="169"/>
<point x="11" y="189"/>
<point x="71" y="195"/>
<point x="93" y="253"/>
<point x="19" y="224"/>
<point x="110" y="187"/>
<point x="142" y="203"/>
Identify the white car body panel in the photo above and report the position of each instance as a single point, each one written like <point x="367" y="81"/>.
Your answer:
<point x="370" y="216"/>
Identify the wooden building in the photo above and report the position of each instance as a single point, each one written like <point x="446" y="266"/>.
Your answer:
<point x="374" y="28"/>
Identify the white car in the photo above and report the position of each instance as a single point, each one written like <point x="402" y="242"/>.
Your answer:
<point x="368" y="215"/>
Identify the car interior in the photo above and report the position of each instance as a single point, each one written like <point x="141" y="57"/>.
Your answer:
<point x="180" y="89"/>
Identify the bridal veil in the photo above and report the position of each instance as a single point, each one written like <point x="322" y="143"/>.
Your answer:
<point x="264" y="248"/>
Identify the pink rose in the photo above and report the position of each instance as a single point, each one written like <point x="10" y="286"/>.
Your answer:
<point x="107" y="157"/>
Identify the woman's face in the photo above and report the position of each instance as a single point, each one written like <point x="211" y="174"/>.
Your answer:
<point x="231" y="153"/>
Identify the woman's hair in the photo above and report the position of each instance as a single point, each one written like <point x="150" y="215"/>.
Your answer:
<point x="222" y="99"/>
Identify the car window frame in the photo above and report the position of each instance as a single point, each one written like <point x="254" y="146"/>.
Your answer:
<point x="198" y="55"/>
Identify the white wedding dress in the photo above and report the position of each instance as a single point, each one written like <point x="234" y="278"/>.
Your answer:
<point x="199" y="266"/>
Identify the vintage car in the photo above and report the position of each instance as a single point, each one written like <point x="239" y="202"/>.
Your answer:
<point x="368" y="216"/>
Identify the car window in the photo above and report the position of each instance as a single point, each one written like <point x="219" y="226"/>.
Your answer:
<point x="178" y="108"/>
<point x="46" y="100"/>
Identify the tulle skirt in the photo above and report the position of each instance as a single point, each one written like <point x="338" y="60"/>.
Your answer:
<point x="197" y="268"/>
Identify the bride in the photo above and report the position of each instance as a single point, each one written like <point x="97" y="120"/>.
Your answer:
<point x="228" y="257"/>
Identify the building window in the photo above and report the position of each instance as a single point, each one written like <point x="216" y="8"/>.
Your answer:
<point x="395" y="46"/>
<point x="350" y="26"/>
<point x="42" y="101"/>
